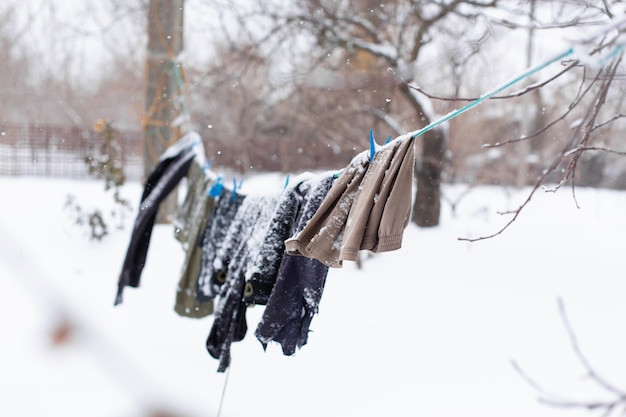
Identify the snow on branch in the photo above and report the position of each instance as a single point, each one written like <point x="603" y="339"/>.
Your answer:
<point x="571" y="153"/>
<point x="382" y="49"/>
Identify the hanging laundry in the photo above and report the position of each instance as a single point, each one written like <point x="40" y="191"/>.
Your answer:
<point x="208" y="283"/>
<point x="168" y="172"/>
<point x="189" y="223"/>
<point x="321" y="238"/>
<point x="299" y="285"/>
<point x="229" y="324"/>
<point x="261" y="275"/>
<point x="236" y="233"/>
<point x="382" y="206"/>
<point x="368" y="207"/>
<point x="236" y="248"/>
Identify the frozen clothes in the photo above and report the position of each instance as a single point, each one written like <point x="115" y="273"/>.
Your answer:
<point x="273" y="249"/>
<point x="321" y="237"/>
<point x="296" y="294"/>
<point x="382" y="206"/>
<point x="224" y="212"/>
<point x="229" y="324"/>
<point x="368" y="207"/>
<point x="160" y="182"/>
<point x="261" y="275"/>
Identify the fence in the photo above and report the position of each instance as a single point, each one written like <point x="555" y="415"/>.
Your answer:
<point x="60" y="151"/>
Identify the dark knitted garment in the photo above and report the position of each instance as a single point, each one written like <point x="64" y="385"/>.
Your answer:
<point x="299" y="285"/>
<point x="229" y="325"/>
<point x="261" y="275"/>
<point x="214" y="236"/>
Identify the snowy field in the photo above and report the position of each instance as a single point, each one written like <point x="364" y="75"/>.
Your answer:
<point x="428" y="330"/>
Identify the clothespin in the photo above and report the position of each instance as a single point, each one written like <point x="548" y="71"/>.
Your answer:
<point x="235" y="187"/>
<point x="216" y="189"/>
<point x="372" y="145"/>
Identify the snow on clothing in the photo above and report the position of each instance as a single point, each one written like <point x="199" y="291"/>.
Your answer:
<point x="190" y="221"/>
<point x="261" y="275"/>
<point x="272" y="250"/>
<point x="224" y="212"/>
<point x="382" y="206"/>
<point x="229" y="324"/>
<point x="321" y="237"/>
<point x="170" y="169"/>
<point x="299" y="283"/>
<point x="238" y="228"/>
<point x="368" y="207"/>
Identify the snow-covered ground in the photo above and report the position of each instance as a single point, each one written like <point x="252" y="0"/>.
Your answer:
<point x="428" y="330"/>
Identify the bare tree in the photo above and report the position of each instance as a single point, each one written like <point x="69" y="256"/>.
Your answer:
<point x="587" y="114"/>
<point x="16" y="65"/>
<point x="385" y="45"/>
<point x="399" y="47"/>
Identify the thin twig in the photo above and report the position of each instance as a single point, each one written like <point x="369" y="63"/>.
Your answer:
<point x="591" y="372"/>
<point x="518" y="93"/>
<point x="608" y="406"/>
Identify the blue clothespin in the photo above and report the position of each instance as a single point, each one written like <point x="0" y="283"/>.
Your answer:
<point x="234" y="194"/>
<point x="216" y="189"/>
<point x="235" y="187"/>
<point x="372" y="145"/>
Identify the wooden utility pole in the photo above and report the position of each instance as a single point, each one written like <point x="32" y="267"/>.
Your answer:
<point x="163" y="91"/>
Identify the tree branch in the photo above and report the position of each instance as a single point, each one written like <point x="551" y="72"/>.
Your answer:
<point x="583" y="131"/>
<point x="519" y="93"/>
<point x="608" y="406"/>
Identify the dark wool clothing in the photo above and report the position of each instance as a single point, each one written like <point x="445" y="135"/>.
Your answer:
<point x="160" y="182"/>
<point x="224" y="212"/>
<point x="229" y="324"/>
<point x="236" y="233"/>
<point x="299" y="285"/>
<point x="261" y="275"/>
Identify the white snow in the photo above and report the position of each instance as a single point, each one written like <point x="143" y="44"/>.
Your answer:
<point x="430" y="329"/>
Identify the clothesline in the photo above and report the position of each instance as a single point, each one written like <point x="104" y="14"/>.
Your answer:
<point x="270" y="249"/>
<point x="619" y="44"/>
<point x="275" y="250"/>
<point x="491" y="93"/>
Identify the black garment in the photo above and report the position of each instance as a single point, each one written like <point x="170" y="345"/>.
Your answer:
<point x="228" y="251"/>
<point x="261" y="275"/>
<point x="299" y="285"/>
<point x="229" y="324"/>
<point x="160" y="182"/>
<point x="224" y="212"/>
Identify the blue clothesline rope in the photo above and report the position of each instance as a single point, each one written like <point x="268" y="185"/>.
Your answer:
<point x="491" y="93"/>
